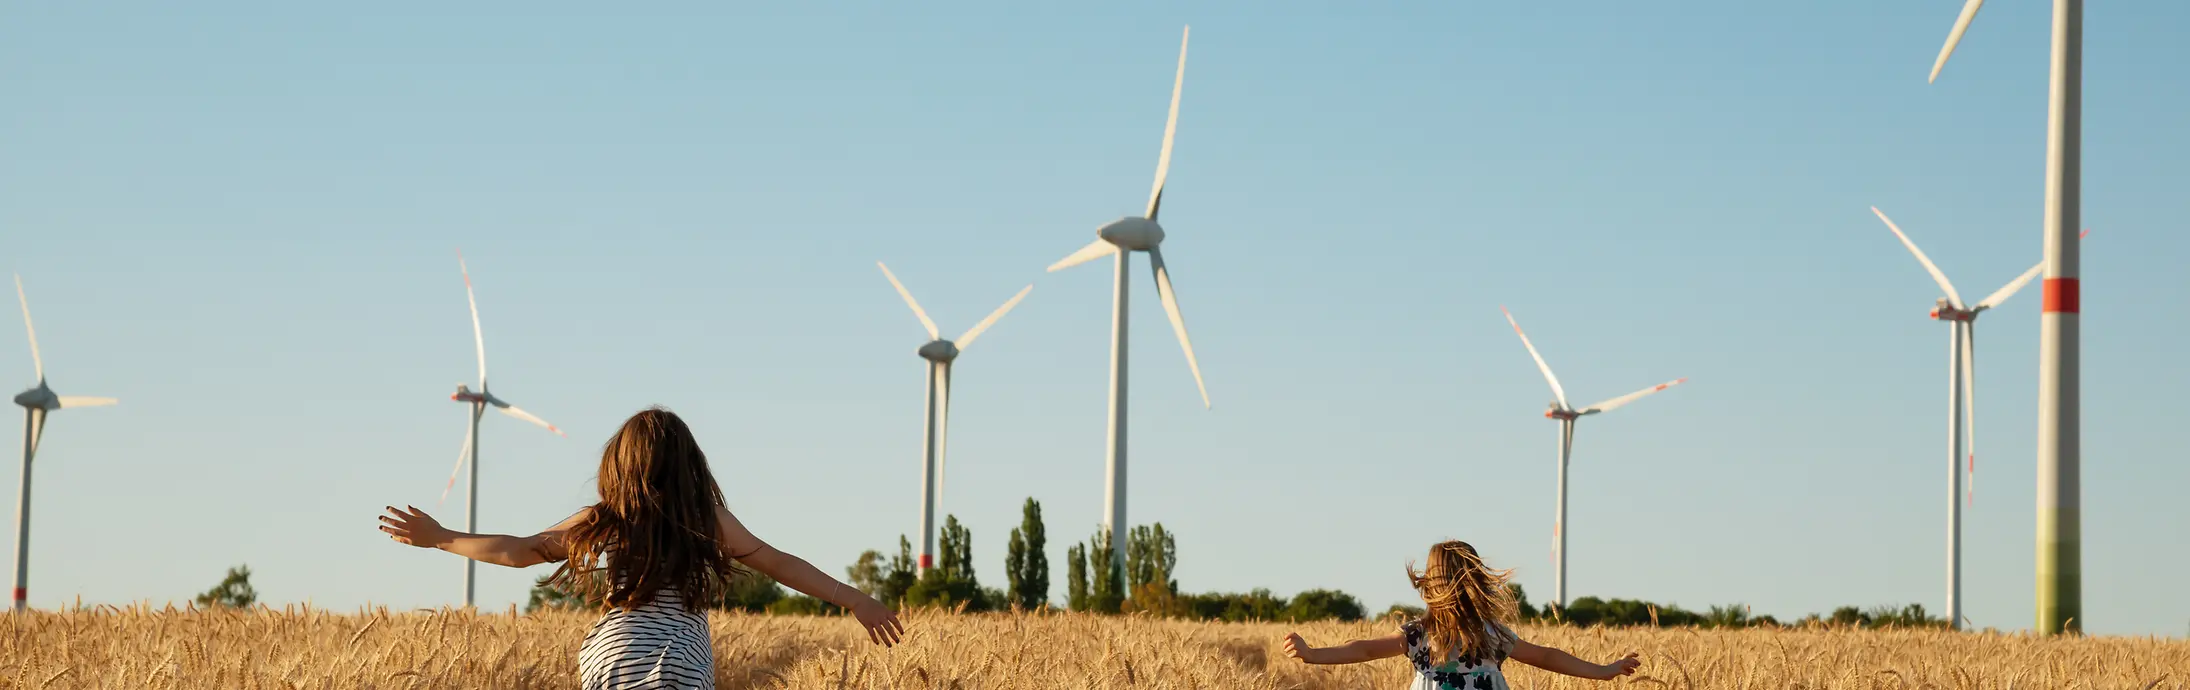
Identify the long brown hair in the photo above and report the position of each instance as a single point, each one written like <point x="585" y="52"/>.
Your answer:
<point x="1467" y="610"/>
<point x="655" y="525"/>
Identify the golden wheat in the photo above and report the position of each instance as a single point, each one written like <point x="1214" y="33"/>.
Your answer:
<point x="303" y="649"/>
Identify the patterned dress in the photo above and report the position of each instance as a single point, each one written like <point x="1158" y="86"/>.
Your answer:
<point x="656" y="646"/>
<point x="1457" y="673"/>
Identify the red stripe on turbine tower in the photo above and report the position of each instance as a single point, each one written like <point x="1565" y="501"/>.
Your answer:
<point x="19" y="593"/>
<point x="925" y="563"/>
<point x="2062" y="296"/>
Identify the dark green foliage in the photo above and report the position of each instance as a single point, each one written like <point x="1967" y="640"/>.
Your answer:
<point x="802" y="605"/>
<point x="1151" y="555"/>
<point x="1323" y="604"/>
<point x="1026" y="563"/>
<point x="1848" y="616"/>
<point x="751" y="592"/>
<point x="898" y="579"/>
<point x="1256" y="605"/>
<point x="950" y="583"/>
<point x="234" y="591"/>
<point x="868" y="573"/>
<point x="1076" y="596"/>
<point x="547" y="596"/>
<point x="1520" y="601"/>
<point x="1106" y="586"/>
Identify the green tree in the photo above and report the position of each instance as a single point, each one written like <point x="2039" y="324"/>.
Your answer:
<point x="1106" y="586"/>
<point x="900" y="577"/>
<point x="802" y="605"/>
<point x="1520" y="602"/>
<point x="752" y="592"/>
<point x="1076" y="577"/>
<point x="1402" y="612"/>
<point x="1026" y="565"/>
<point x="556" y="596"/>
<point x="868" y="573"/>
<point x="951" y="582"/>
<point x="1323" y="604"/>
<point x="1151" y="554"/>
<point x="234" y="591"/>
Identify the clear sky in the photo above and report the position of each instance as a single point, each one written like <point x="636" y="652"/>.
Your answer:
<point x="242" y="219"/>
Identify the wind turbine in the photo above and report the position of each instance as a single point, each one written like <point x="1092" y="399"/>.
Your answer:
<point x="1122" y="237"/>
<point x="37" y="403"/>
<point x="940" y="354"/>
<point x="1567" y="416"/>
<point x="2060" y="510"/>
<point x="478" y="401"/>
<point x="1961" y="398"/>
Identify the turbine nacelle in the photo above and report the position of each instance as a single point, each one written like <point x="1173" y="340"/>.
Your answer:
<point x="1132" y="233"/>
<point x="939" y="351"/>
<point x="40" y="398"/>
<point x="1557" y="412"/>
<point x="1943" y="310"/>
<point x="464" y="394"/>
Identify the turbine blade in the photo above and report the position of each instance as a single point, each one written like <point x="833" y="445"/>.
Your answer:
<point x="514" y="411"/>
<point x="1952" y="297"/>
<point x="1615" y="403"/>
<point x="1178" y="322"/>
<point x="1961" y="24"/>
<point x="942" y="431"/>
<point x="68" y="401"/>
<point x="966" y="340"/>
<point x="478" y="337"/>
<point x="35" y="360"/>
<point x="933" y="334"/>
<point x="1556" y="391"/>
<point x="461" y="455"/>
<point x="1969" y="407"/>
<point x="2002" y="295"/>
<point x="1170" y="131"/>
<point x="1094" y="250"/>
<point x="37" y="430"/>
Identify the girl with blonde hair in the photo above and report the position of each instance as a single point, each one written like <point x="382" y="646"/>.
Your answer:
<point x="1465" y="633"/>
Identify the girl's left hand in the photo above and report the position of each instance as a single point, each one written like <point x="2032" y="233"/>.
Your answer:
<point x="1298" y="648"/>
<point x="415" y="528"/>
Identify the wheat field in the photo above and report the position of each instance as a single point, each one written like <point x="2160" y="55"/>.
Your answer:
<point x="296" y="648"/>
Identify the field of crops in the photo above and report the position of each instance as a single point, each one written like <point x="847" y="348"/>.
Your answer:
<point x="301" y="649"/>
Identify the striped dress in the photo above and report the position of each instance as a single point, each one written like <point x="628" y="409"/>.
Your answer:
<point x="656" y="646"/>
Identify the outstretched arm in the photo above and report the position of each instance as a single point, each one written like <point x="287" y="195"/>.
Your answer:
<point x="1557" y="661"/>
<point x="416" y="528"/>
<point x="1353" y="652"/>
<point x="796" y="573"/>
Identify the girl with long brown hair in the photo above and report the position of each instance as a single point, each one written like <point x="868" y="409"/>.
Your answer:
<point x="1465" y="633"/>
<point x="654" y="552"/>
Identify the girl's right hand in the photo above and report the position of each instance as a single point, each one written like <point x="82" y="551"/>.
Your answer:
<point x="1297" y="648"/>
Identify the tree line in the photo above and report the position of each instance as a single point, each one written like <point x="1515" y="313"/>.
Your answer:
<point x="1144" y="584"/>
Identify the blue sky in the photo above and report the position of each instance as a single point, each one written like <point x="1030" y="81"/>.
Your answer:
<point x="242" y="220"/>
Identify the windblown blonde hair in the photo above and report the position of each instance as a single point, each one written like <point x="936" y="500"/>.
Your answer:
<point x="1468" y="611"/>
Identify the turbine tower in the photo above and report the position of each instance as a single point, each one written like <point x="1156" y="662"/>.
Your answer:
<point x="37" y="402"/>
<point x="1567" y="416"/>
<point x="1122" y="237"/>
<point x="2060" y="509"/>
<point x="940" y="354"/>
<point x="1961" y="399"/>
<point x="478" y="401"/>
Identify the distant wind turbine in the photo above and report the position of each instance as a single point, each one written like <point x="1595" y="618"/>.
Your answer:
<point x="1122" y="237"/>
<point x="478" y="401"/>
<point x="940" y="354"/>
<point x="1567" y="416"/>
<point x="37" y="403"/>
<point x="1961" y="398"/>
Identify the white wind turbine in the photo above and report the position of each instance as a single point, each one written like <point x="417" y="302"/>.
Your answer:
<point x="1122" y="237"/>
<point x="1567" y="416"/>
<point x="2060" y="455"/>
<point x="478" y="401"/>
<point x="940" y="354"/>
<point x="37" y="403"/>
<point x="1961" y="398"/>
